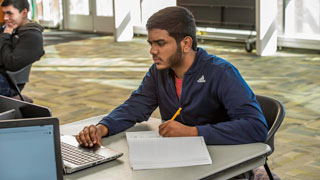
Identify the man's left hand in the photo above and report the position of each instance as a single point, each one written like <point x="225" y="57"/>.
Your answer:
<point x="172" y="128"/>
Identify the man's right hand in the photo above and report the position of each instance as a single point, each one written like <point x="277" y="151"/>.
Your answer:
<point x="91" y="135"/>
<point x="9" y="29"/>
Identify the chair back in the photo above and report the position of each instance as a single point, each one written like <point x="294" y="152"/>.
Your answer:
<point x="21" y="76"/>
<point x="274" y="113"/>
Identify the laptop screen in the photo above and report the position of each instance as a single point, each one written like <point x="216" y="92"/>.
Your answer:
<point x="28" y="153"/>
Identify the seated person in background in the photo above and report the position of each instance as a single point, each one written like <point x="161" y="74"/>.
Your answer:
<point x="21" y="42"/>
<point x="216" y="102"/>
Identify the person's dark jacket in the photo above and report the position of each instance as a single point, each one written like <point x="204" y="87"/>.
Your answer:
<point x="214" y="98"/>
<point x="23" y="47"/>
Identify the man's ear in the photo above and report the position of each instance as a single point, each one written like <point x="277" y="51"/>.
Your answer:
<point x="24" y="12"/>
<point x="186" y="44"/>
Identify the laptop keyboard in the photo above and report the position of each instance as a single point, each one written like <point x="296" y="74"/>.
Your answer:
<point x="77" y="156"/>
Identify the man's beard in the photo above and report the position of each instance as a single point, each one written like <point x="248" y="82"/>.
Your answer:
<point x="175" y="59"/>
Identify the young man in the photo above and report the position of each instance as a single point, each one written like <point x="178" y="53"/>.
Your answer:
<point x="216" y="102"/>
<point x="21" y="42"/>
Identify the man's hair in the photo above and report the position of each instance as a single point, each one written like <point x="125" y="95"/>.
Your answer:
<point x="178" y="21"/>
<point x="18" y="4"/>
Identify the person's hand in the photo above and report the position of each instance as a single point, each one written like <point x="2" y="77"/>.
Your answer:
<point x="9" y="28"/>
<point x="91" y="135"/>
<point x="172" y="128"/>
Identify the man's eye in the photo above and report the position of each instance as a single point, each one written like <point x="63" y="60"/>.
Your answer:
<point x="161" y="43"/>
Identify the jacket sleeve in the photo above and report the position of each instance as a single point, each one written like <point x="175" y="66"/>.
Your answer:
<point x="137" y="108"/>
<point x="247" y="123"/>
<point x="4" y="41"/>
<point x="27" y="50"/>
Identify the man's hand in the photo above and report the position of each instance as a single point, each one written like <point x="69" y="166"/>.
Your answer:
<point x="9" y="28"/>
<point x="91" y="135"/>
<point x="172" y="128"/>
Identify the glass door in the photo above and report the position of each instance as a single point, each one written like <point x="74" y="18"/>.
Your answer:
<point x="90" y="15"/>
<point x="103" y="16"/>
<point x="79" y="15"/>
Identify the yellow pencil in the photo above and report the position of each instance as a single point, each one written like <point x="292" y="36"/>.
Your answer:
<point x="176" y="114"/>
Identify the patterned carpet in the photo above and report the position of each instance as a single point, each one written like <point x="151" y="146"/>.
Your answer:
<point x="85" y="78"/>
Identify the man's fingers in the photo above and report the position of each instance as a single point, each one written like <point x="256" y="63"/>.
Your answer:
<point x="92" y="132"/>
<point x="87" y="137"/>
<point x="163" y="125"/>
<point x="164" y="130"/>
<point x="161" y="129"/>
<point x="165" y="133"/>
<point x="78" y="139"/>
<point x="82" y="138"/>
<point x="94" y="136"/>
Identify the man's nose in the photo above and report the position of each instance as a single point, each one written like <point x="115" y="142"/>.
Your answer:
<point x="6" y="17"/>
<point x="153" y="50"/>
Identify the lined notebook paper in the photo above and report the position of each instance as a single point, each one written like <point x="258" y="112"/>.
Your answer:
<point x="148" y="150"/>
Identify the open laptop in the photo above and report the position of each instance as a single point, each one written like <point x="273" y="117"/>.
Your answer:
<point x="33" y="148"/>
<point x="76" y="158"/>
<point x="30" y="149"/>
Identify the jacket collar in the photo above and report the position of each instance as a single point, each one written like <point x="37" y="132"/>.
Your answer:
<point x="200" y="53"/>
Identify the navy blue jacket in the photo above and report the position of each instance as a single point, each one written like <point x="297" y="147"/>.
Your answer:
<point x="214" y="98"/>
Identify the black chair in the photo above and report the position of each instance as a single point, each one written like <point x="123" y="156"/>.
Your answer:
<point x="19" y="77"/>
<point x="274" y="113"/>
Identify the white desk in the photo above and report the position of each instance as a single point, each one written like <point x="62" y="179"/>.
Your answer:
<point x="227" y="161"/>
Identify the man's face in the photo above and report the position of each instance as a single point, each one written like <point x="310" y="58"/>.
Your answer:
<point x="13" y="17"/>
<point x="164" y="50"/>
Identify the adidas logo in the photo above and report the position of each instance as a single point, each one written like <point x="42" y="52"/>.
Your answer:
<point x="201" y="80"/>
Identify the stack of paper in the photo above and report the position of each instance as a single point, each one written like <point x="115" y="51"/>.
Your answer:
<point x="148" y="150"/>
